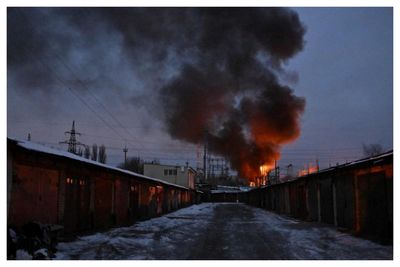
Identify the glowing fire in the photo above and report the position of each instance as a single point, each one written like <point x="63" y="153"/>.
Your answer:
<point x="261" y="178"/>
<point x="308" y="170"/>
<point x="265" y="169"/>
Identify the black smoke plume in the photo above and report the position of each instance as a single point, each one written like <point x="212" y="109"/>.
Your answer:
<point x="214" y="71"/>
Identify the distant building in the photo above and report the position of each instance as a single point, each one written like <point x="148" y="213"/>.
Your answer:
<point x="180" y="175"/>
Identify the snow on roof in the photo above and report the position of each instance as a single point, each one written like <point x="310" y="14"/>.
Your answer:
<point x="374" y="159"/>
<point x="57" y="152"/>
<point x="359" y="161"/>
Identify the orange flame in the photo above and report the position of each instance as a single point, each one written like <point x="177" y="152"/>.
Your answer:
<point x="261" y="178"/>
<point x="265" y="169"/>
<point x="308" y="170"/>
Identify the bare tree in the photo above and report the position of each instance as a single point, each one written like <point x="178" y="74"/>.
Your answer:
<point x="134" y="164"/>
<point x="86" y="152"/>
<point x="102" y="154"/>
<point x="79" y="152"/>
<point x="94" y="152"/>
<point x="155" y="161"/>
<point x="372" y="150"/>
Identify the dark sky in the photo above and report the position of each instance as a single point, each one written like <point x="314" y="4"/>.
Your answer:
<point x="75" y="66"/>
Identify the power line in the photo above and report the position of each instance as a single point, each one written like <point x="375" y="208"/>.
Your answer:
<point x="77" y="96"/>
<point x="191" y="146"/>
<point x="72" y="142"/>
<point x="60" y="80"/>
<point x="145" y="156"/>
<point x="298" y="153"/>
<point x="304" y="155"/>
<point x="81" y="122"/>
<point x="92" y="95"/>
<point x="297" y="156"/>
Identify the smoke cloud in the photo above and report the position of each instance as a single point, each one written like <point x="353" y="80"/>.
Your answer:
<point x="211" y="73"/>
<point x="231" y="96"/>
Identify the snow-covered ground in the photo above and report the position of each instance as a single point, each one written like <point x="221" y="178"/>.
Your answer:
<point x="149" y="239"/>
<point x="222" y="231"/>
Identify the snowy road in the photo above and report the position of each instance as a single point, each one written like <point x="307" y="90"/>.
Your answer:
<point x="223" y="231"/>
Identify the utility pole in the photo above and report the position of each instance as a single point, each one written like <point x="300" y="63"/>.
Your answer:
<point x="205" y="157"/>
<point x="198" y="156"/>
<point x="289" y="170"/>
<point x="212" y="167"/>
<point x="217" y="166"/>
<point x="209" y="167"/>
<point x="72" y="142"/>
<point x="125" y="151"/>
